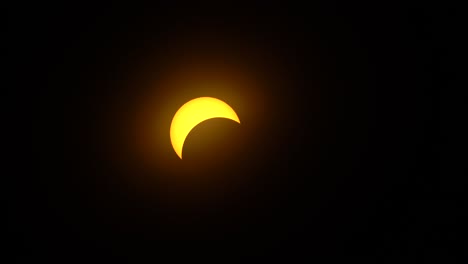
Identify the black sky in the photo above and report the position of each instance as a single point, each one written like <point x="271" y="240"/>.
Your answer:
<point x="344" y="163"/>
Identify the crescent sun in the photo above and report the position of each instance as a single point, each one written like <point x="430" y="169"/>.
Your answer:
<point x="193" y="113"/>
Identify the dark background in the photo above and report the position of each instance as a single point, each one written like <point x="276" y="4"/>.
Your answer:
<point x="346" y="162"/>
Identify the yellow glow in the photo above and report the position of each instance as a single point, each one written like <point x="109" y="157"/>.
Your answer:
<point x="193" y="113"/>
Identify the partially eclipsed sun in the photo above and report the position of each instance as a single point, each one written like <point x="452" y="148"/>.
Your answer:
<point x="193" y="113"/>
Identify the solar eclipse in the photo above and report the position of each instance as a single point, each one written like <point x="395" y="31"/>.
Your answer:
<point x="193" y="113"/>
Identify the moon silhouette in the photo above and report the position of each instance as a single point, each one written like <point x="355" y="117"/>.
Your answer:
<point x="193" y="113"/>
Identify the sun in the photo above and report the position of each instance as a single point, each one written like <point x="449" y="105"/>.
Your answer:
<point x="193" y="113"/>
